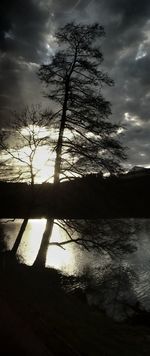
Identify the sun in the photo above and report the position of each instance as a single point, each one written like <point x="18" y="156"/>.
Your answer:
<point x="43" y="159"/>
<point x="44" y="164"/>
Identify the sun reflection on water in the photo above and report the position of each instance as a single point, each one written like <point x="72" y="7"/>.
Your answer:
<point x="31" y="240"/>
<point x="57" y="257"/>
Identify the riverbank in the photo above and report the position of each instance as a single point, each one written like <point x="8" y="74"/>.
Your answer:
<point x="39" y="317"/>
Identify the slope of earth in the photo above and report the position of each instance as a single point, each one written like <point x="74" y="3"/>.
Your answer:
<point x="39" y="317"/>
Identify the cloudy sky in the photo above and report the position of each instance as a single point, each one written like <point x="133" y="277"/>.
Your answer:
<point x="26" y="29"/>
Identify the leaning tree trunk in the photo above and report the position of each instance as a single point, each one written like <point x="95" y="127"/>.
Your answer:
<point x="25" y="221"/>
<point x="41" y="256"/>
<point x="19" y="236"/>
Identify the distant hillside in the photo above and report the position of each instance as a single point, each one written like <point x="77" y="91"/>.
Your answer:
<point x="89" y="197"/>
<point x="137" y="171"/>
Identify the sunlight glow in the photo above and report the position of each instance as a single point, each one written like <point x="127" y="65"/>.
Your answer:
<point x="43" y="162"/>
<point x="41" y="132"/>
<point x="56" y="256"/>
<point x="31" y="240"/>
<point x="34" y="147"/>
<point x="44" y="158"/>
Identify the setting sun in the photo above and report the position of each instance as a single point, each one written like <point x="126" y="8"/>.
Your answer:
<point x="43" y="157"/>
<point x="44" y="164"/>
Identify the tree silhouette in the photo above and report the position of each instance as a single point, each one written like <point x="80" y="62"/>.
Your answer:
<point x="19" y="143"/>
<point x="2" y="239"/>
<point x="114" y="237"/>
<point x="87" y="141"/>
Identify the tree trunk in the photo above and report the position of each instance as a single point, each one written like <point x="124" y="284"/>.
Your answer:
<point x="19" y="237"/>
<point x="57" y="167"/>
<point x="25" y="221"/>
<point x="41" y="256"/>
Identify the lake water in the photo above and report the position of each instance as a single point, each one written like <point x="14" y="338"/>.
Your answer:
<point x="70" y="259"/>
<point x="74" y="261"/>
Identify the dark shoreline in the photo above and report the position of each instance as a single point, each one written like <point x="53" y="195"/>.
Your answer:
<point x="39" y="317"/>
<point x="91" y="197"/>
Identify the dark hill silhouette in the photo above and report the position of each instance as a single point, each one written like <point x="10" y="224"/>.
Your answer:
<point x="89" y="197"/>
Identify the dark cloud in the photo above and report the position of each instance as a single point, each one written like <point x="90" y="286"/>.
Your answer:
<point x="133" y="11"/>
<point x="23" y="30"/>
<point x="137" y="138"/>
<point x="25" y="42"/>
<point x="23" y="27"/>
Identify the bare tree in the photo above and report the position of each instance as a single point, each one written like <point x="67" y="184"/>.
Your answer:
<point x="108" y="236"/>
<point x="19" y="143"/>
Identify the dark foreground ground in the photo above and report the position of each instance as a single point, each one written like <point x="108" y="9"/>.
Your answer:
<point x="37" y="317"/>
